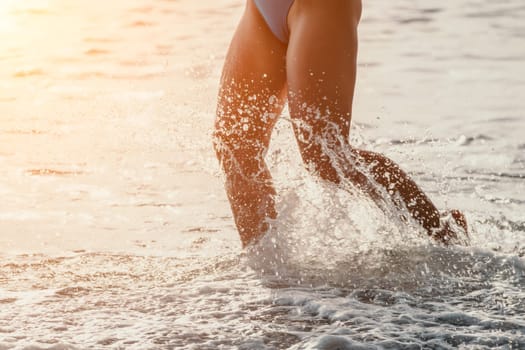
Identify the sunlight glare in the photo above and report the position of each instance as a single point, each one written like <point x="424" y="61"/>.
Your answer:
<point x="7" y="22"/>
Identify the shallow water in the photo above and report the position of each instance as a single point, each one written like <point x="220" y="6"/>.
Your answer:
<point x="115" y="231"/>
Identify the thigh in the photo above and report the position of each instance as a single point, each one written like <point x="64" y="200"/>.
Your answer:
<point x="321" y="65"/>
<point x="252" y="90"/>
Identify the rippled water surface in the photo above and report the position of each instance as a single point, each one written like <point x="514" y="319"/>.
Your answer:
<point x="115" y="231"/>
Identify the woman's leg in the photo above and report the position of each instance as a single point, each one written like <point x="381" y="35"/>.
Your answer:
<point x="321" y="73"/>
<point x="251" y="97"/>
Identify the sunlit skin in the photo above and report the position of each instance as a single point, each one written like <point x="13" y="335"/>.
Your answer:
<point x="315" y="74"/>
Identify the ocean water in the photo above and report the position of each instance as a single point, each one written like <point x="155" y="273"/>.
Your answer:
<point x="115" y="231"/>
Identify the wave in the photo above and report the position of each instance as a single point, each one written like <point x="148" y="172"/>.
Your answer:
<point x="425" y="269"/>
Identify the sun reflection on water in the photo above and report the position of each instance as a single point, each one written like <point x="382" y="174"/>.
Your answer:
<point x="7" y="23"/>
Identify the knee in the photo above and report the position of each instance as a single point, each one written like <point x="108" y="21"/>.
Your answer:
<point x="227" y="136"/>
<point x="321" y="162"/>
<point x="237" y="151"/>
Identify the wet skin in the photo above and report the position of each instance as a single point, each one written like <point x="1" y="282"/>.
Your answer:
<point x="315" y="74"/>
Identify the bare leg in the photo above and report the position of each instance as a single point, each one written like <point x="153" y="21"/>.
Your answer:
<point x="321" y="73"/>
<point x="251" y="97"/>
